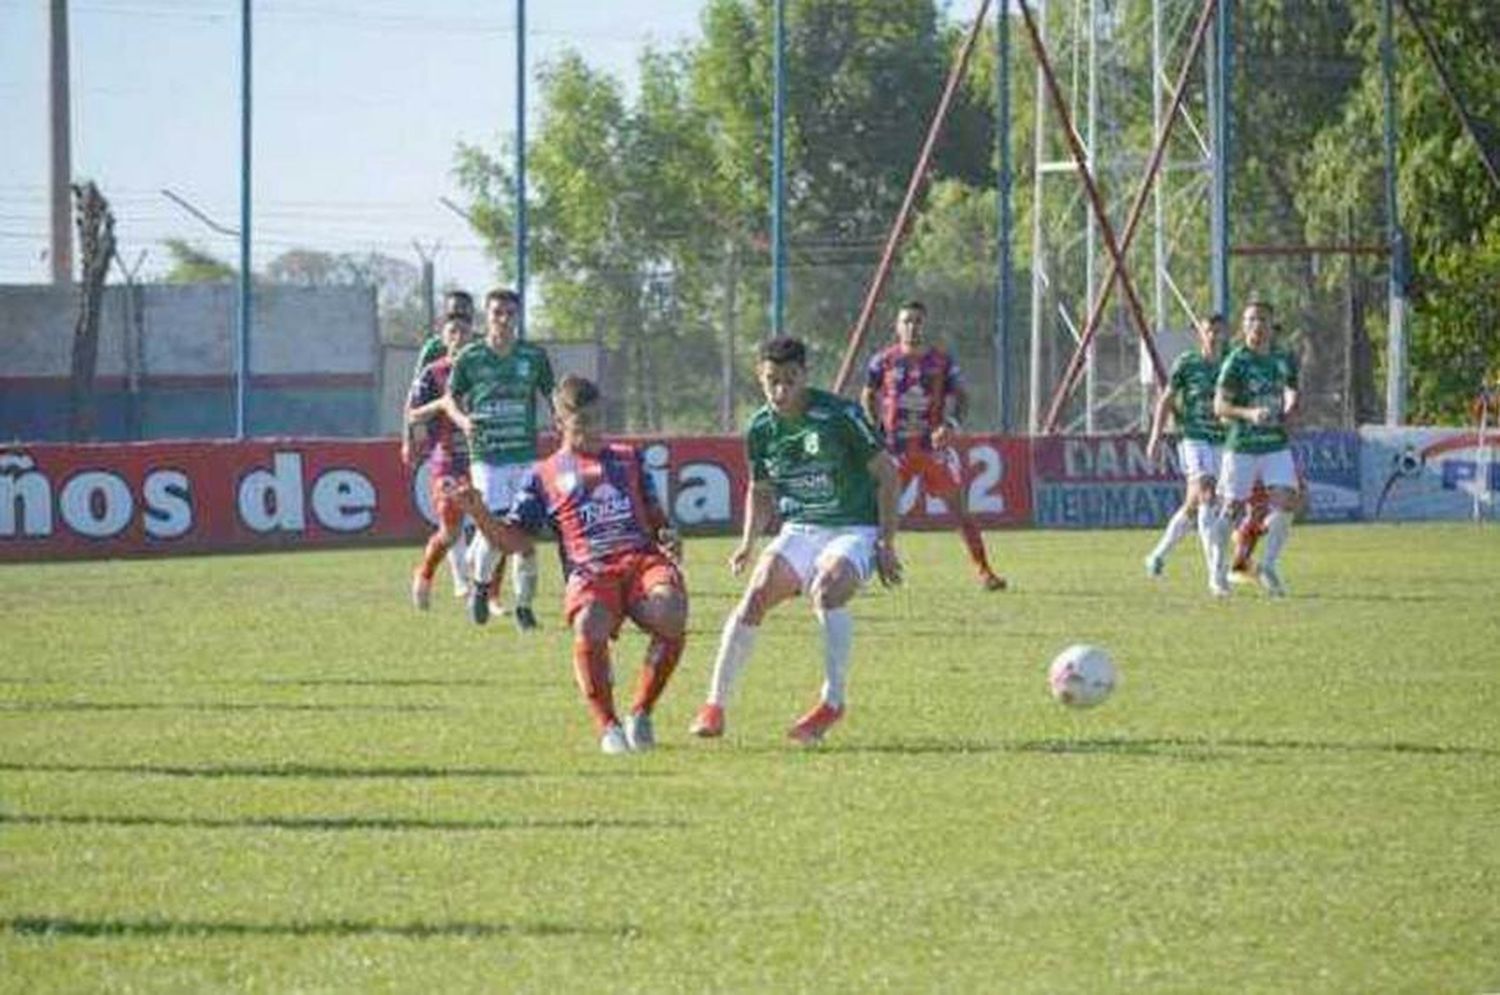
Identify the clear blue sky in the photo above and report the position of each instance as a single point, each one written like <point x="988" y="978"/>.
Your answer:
<point x="358" y="106"/>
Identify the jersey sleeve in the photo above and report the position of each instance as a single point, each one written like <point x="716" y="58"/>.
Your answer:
<point x="423" y="389"/>
<point x="546" y="382"/>
<point x="1230" y="375"/>
<point x="432" y="348"/>
<point x="863" y="442"/>
<point x="755" y="454"/>
<point x="528" y="509"/>
<point x="953" y="378"/>
<point x="460" y="380"/>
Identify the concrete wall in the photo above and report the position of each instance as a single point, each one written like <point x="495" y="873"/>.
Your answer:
<point x="314" y="362"/>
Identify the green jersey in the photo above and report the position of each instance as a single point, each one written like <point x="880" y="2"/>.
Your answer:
<point x="499" y="393"/>
<point x="818" y="465"/>
<point x="1192" y="384"/>
<point x="1252" y="380"/>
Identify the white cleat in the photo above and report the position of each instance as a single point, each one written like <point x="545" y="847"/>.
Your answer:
<point x="1218" y="588"/>
<point x="1270" y="580"/>
<point x="613" y="742"/>
<point x="1155" y="565"/>
<point x="421" y="592"/>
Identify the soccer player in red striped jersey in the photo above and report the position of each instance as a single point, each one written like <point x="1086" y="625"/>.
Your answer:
<point x="447" y="459"/>
<point x="915" y="394"/>
<point x="619" y="555"/>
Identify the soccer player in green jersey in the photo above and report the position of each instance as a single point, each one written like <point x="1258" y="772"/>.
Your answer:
<point x="1190" y="396"/>
<point x="1256" y="394"/>
<point x="492" y="398"/>
<point x="816" y="462"/>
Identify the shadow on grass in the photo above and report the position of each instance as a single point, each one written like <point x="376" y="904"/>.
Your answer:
<point x="316" y="771"/>
<point x="203" y="706"/>
<point x="1173" y="748"/>
<point x="54" y="927"/>
<point x="330" y="824"/>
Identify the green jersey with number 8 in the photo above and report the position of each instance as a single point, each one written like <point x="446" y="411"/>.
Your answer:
<point x="819" y="464"/>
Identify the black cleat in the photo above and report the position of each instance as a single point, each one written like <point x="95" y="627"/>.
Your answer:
<point x="525" y="618"/>
<point x="479" y="603"/>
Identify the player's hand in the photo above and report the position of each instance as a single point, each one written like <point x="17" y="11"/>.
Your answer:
<point x="1153" y="448"/>
<point x="739" y="559"/>
<point x="461" y="492"/>
<point x="887" y="564"/>
<point x="463" y="422"/>
<point x="406" y="452"/>
<point x="1260" y="416"/>
<point x="942" y="436"/>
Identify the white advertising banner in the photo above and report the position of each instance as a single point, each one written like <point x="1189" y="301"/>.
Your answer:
<point x="1419" y="474"/>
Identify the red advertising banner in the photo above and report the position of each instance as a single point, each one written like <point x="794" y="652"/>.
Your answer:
<point x="102" y="500"/>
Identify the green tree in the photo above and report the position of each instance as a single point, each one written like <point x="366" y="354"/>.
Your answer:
<point x="191" y="264"/>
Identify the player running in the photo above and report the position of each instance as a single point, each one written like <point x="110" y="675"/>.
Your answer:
<point x="1256" y="394"/>
<point x="619" y="557"/>
<point x="816" y="462"/>
<point x="914" y="392"/>
<point x="447" y="462"/>
<point x="492" y="397"/>
<point x="1190" y="397"/>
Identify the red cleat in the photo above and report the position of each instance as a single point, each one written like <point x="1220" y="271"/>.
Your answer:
<point x="709" y="722"/>
<point x="812" y="726"/>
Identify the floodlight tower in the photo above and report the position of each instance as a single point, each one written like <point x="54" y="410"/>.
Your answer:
<point x="1087" y="45"/>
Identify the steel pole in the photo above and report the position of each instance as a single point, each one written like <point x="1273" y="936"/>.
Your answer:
<point x="242" y="350"/>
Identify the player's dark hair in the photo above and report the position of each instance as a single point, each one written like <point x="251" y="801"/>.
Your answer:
<point x="574" y="393"/>
<point x="463" y="298"/>
<point x="783" y="349"/>
<point x="912" y="305"/>
<point x="1261" y="303"/>
<point x="1217" y="318"/>
<point x="502" y="294"/>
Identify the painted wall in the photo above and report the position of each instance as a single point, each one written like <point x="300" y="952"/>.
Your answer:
<point x="314" y="362"/>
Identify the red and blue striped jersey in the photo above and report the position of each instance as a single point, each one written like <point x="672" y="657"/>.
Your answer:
<point x="446" y="448"/>
<point x="911" y="393"/>
<point x="600" y="503"/>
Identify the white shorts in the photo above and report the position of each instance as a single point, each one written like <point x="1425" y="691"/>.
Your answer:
<point x="806" y="547"/>
<point x="1273" y="469"/>
<point x="1198" y="458"/>
<point x="497" y="483"/>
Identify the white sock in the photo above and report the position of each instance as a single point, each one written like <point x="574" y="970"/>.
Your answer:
<point x="523" y="577"/>
<point x="735" y="644"/>
<point x="1177" y="527"/>
<point x="458" y="555"/>
<point x="838" y="638"/>
<point x="484" y="558"/>
<point x="1208" y="516"/>
<point x="1278" y="527"/>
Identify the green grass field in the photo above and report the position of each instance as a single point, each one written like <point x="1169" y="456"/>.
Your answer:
<point x="269" y="774"/>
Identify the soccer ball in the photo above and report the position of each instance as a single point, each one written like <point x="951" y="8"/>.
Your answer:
<point x="1081" y="676"/>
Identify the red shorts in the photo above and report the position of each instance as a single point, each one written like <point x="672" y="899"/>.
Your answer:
<point x="938" y="468"/>
<point x="619" y="582"/>
<point x="449" y="515"/>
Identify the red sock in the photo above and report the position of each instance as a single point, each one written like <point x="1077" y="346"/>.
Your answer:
<point x="661" y="659"/>
<point x="591" y="671"/>
<point x="432" y="556"/>
<point x="975" y="542"/>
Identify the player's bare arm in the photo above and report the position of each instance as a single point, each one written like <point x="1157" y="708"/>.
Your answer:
<point x="760" y="502"/>
<point x="887" y="493"/>
<point x="1224" y="408"/>
<point x="455" y="413"/>
<point x="1159" y="424"/>
<point x="867" y="405"/>
<point x="958" y="400"/>
<point x="501" y="535"/>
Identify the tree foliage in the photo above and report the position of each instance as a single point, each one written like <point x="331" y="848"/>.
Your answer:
<point x="650" y="210"/>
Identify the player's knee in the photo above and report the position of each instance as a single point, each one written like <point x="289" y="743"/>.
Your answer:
<point x="665" y="612"/>
<point x="832" y="588"/>
<point x="593" y="624"/>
